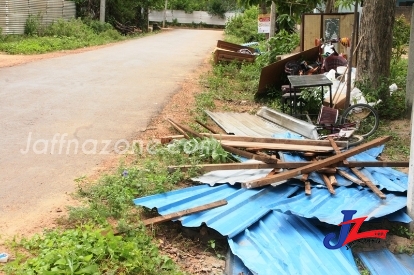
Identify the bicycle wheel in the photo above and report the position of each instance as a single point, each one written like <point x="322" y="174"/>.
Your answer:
<point x="362" y="117"/>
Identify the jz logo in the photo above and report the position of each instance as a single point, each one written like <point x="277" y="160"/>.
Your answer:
<point x="346" y="235"/>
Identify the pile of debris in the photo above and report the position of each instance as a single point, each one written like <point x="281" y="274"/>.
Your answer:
<point x="125" y="29"/>
<point x="272" y="213"/>
<point x="226" y="51"/>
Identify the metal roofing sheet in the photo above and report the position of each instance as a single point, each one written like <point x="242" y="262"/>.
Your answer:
<point x="232" y="176"/>
<point x="244" y="206"/>
<point x="383" y="262"/>
<point x="327" y="208"/>
<point x="286" y="244"/>
<point x="286" y="121"/>
<point x="243" y="124"/>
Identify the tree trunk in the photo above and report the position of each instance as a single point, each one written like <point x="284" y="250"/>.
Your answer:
<point x="330" y="6"/>
<point x="263" y="7"/>
<point x="374" y="56"/>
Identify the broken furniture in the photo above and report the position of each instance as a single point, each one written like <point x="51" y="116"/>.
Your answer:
<point x="227" y="51"/>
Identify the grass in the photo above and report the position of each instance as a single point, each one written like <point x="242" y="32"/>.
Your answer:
<point x="61" y="35"/>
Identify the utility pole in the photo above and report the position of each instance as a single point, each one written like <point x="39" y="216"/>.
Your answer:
<point x="165" y="14"/>
<point x="409" y="100"/>
<point x="102" y="12"/>
<point x="272" y="19"/>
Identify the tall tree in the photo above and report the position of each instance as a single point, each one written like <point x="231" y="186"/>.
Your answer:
<point x="374" y="56"/>
<point x="330" y="6"/>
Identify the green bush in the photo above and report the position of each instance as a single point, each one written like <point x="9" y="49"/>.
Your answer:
<point x="33" y="25"/>
<point x="60" y="35"/>
<point x="282" y="43"/>
<point x="392" y="106"/>
<point x="401" y="38"/>
<point x="86" y="250"/>
<point x="244" y="26"/>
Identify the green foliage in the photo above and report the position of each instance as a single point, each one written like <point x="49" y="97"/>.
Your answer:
<point x="282" y="43"/>
<point x="244" y="26"/>
<point x="401" y="38"/>
<point x="33" y="25"/>
<point x="207" y="149"/>
<point x="60" y="35"/>
<point x="214" y="7"/>
<point x="392" y="105"/>
<point x="86" y="250"/>
<point x="286" y="22"/>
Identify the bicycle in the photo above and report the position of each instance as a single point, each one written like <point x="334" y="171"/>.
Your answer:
<point x="358" y="121"/>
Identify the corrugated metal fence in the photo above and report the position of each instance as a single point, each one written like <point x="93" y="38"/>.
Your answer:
<point x="13" y="13"/>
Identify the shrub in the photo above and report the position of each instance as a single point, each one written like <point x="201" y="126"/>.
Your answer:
<point x="401" y="38"/>
<point x="282" y="43"/>
<point x="33" y="25"/>
<point x="244" y="26"/>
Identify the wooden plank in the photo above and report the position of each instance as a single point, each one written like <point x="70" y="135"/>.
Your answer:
<point x="308" y="188"/>
<point x="369" y="183"/>
<point x="178" y="128"/>
<point x="328" y="184"/>
<point x="315" y="166"/>
<point x="333" y="180"/>
<point x="182" y="213"/>
<point x="359" y="174"/>
<point x="350" y="177"/>
<point x="207" y="127"/>
<point x="341" y="144"/>
<point x="266" y="159"/>
<point x="277" y="146"/>
<point x="279" y="164"/>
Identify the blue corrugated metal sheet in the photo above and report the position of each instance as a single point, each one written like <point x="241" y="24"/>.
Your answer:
<point x="235" y="266"/>
<point x="327" y="208"/>
<point x="244" y="207"/>
<point x="286" y="244"/>
<point x="383" y="262"/>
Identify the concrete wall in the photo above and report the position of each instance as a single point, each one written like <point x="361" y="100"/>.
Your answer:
<point x="188" y="18"/>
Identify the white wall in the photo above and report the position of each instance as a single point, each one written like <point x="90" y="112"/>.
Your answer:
<point x="188" y="18"/>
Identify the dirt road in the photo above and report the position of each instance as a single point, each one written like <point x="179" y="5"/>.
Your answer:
<point x="64" y="117"/>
